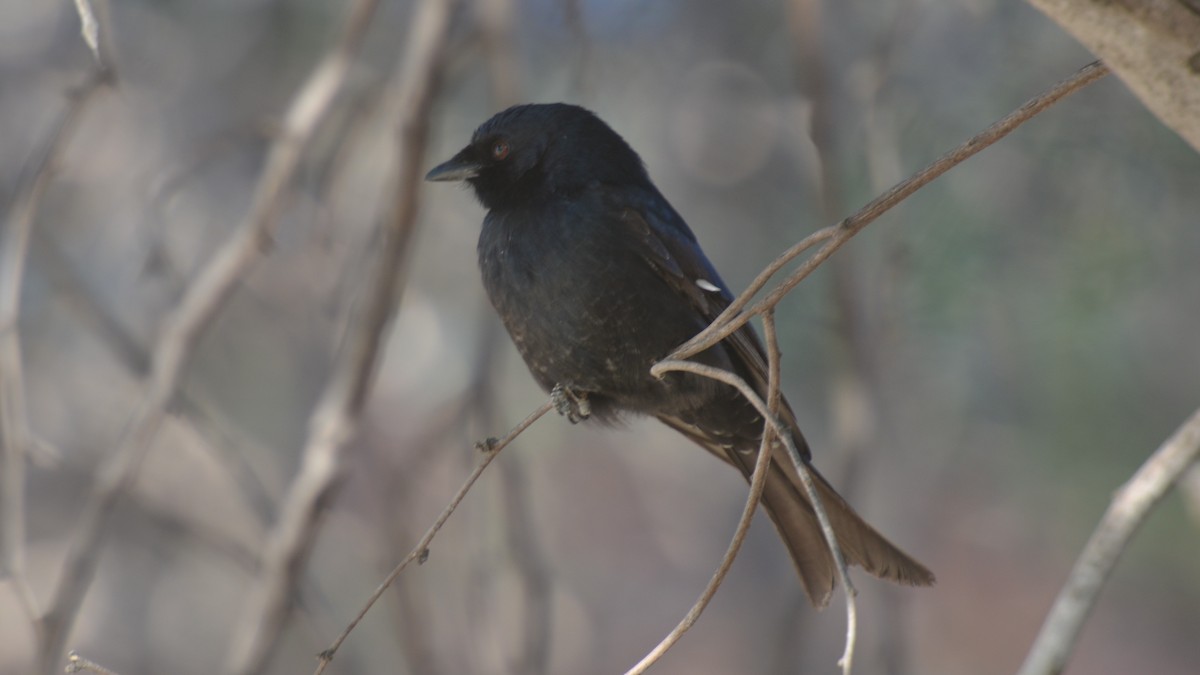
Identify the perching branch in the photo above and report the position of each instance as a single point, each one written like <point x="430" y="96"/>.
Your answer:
<point x="201" y="301"/>
<point x="1129" y="508"/>
<point x="734" y="317"/>
<point x="491" y="447"/>
<point x="758" y="480"/>
<point x="334" y="422"/>
<point x="780" y="431"/>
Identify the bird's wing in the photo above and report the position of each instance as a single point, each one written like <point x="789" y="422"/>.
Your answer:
<point x="671" y="249"/>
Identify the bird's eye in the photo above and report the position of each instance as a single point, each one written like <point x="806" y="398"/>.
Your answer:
<point x="500" y="150"/>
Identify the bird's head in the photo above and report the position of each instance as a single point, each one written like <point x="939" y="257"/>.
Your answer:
<point x="539" y="151"/>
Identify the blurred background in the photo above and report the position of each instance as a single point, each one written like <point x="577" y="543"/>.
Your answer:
<point x="977" y="371"/>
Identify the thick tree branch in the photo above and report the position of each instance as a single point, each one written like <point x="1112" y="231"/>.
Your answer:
<point x="834" y="236"/>
<point x="1152" y="45"/>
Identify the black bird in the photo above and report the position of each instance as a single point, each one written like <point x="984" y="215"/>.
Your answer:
<point x="596" y="277"/>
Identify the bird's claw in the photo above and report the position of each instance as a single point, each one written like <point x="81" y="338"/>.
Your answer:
<point x="570" y="404"/>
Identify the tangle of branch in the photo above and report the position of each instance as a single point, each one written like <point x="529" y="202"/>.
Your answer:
<point x="335" y="420"/>
<point x="201" y="302"/>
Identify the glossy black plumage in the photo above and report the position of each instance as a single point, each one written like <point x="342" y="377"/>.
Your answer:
<point x="596" y="277"/>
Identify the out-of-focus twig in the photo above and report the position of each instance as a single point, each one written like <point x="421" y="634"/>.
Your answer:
<point x="230" y="447"/>
<point x="771" y="426"/>
<point x="334" y="422"/>
<point x="78" y="664"/>
<point x="182" y="328"/>
<point x="420" y="552"/>
<point x="737" y="314"/>
<point x="1130" y="506"/>
<point x="16" y="436"/>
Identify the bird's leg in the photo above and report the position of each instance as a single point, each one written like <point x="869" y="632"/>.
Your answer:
<point x="570" y="404"/>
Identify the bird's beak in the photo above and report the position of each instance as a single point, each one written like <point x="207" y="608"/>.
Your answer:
<point x="457" y="168"/>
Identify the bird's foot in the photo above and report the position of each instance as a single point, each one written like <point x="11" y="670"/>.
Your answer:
<point x="570" y="404"/>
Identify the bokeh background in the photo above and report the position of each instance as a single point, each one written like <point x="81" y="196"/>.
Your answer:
<point x="978" y="371"/>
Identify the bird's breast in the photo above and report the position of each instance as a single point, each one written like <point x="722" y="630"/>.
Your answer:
<point x="582" y="305"/>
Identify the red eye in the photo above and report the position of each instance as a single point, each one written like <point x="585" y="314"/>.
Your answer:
<point x="500" y="150"/>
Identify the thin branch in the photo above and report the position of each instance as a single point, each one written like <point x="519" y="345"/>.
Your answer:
<point x="771" y="426"/>
<point x="334" y="422"/>
<point x="420" y="552"/>
<point x="774" y="357"/>
<point x="758" y="481"/>
<point x="18" y="440"/>
<point x="182" y="328"/>
<point x="1129" y="508"/>
<point x="734" y="317"/>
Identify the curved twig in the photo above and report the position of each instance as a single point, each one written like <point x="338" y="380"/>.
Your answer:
<point x="758" y="481"/>
<point x="776" y="427"/>
<point x="734" y="317"/>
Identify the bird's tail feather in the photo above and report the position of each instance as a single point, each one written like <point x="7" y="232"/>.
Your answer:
<point x="787" y="503"/>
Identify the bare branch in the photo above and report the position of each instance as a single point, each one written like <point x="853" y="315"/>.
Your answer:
<point x="182" y="328"/>
<point x="1129" y="508"/>
<point x="773" y="426"/>
<point x="758" y="481"/>
<point x="491" y="448"/>
<point x="777" y="428"/>
<point x="734" y="317"/>
<point x="334" y="422"/>
<point x="1150" y="44"/>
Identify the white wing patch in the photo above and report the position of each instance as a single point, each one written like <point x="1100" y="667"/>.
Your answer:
<point x="707" y="285"/>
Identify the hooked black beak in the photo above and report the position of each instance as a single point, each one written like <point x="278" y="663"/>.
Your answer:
<point x="457" y="168"/>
